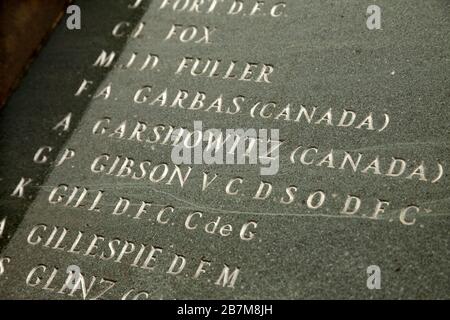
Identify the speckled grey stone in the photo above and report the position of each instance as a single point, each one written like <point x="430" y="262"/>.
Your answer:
<point x="324" y="56"/>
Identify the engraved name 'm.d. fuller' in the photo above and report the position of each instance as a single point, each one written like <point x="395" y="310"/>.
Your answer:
<point x="211" y="68"/>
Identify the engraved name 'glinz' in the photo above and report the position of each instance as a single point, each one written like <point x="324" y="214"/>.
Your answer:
<point x="233" y="70"/>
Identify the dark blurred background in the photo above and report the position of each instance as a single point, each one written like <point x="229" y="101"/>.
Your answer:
<point x="24" y="26"/>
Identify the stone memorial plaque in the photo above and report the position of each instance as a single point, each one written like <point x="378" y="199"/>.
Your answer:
<point x="118" y="180"/>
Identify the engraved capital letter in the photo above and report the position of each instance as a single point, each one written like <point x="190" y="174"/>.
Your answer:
<point x="20" y="189"/>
